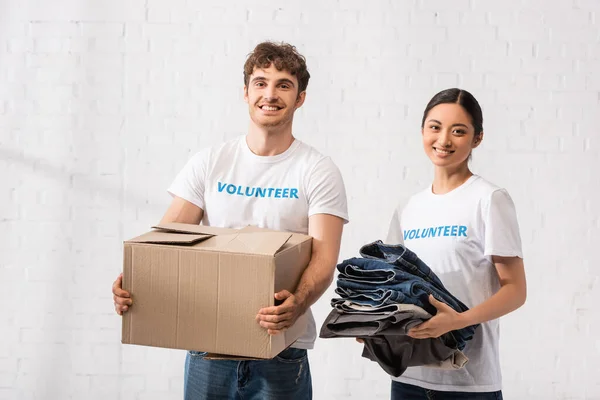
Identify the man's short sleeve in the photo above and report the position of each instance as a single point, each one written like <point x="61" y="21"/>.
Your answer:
<point x="189" y="183"/>
<point x="326" y="191"/>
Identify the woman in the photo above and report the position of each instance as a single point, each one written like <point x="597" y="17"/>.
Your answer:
<point x="465" y="228"/>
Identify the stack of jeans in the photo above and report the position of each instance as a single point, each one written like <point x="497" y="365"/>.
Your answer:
<point x="385" y="293"/>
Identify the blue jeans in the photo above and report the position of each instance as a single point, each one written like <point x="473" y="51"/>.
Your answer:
<point x="413" y="290"/>
<point x="375" y="297"/>
<point x="287" y="376"/>
<point x="400" y="256"/>
<point x="403" y="391"/>
<point x="371" y="310"/>
<point x="406" y="260"/>
<point x="374" y="276"/>
<point x="372" y="273"/>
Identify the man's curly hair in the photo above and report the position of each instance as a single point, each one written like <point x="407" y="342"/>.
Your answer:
<point x="282" y="56"/>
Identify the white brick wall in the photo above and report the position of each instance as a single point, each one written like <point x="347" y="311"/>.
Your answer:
<point x="102" y="102"/>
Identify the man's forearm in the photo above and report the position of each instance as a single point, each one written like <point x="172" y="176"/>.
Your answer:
<point x="326" y="231"/>
<point x="314" y="282"/>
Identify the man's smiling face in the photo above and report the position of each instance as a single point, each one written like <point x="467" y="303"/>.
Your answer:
<point x="272" y="97"/>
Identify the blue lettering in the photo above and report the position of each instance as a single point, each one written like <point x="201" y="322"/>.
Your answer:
<point x="446" y="230"/>
<point x="240" y="190"/>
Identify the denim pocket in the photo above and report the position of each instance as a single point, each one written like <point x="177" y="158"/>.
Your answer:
<point x="292" y="356"/>
<point x="198" y="353"/>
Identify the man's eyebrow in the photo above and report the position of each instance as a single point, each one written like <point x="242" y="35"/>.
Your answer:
<point x="279" y="81"/>
<point x="285" y="80"/>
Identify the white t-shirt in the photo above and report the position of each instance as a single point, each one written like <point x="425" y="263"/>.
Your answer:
<point x="237" y="188"/>
<point x="456" y="234"/>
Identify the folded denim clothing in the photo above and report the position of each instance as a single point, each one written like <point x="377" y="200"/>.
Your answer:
<point x="373" y="297"/>
<point x="382" y="295"/>
<point x="403" y="287"/>
<point x="403" y="258"/>
<point x="387" y="343"/>
<point x="349" y="307"/>
<point x="396" y="353"/>
<point x="363" y="278"/>
<point x="363" y="323"/>
<point x="376" y="276"/>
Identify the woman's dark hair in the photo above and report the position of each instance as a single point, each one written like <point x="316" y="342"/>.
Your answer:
<point x="464" y="99"/>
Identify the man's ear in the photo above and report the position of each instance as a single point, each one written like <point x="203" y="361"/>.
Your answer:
<point x="245" y="93"/>
<point x="300" y="99"/>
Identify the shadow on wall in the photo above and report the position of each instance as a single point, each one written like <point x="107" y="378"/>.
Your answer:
<point x="84" y="182"/>
<point x="44" y="272"/>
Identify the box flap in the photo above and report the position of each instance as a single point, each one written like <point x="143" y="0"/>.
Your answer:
<point x="296" y="238"/>
<point x="192" y="228"/>
<point x="160" y="237"/>
<point x="265" y="243"/>
<point x="253" y="228"/>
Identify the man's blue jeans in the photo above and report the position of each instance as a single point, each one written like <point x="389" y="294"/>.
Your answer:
<point x="403" y="391"/>
<point x="287" y="376"/>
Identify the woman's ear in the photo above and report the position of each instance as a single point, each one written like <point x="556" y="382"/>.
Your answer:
<point x="478" y="139"/>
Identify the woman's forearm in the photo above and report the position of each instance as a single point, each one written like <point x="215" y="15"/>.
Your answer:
<point x="507" y="299"/>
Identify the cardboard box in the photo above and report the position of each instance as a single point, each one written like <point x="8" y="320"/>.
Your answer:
<point x="199" y="288"/>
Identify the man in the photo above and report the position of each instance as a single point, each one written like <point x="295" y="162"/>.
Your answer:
<point x="280" y="183"/>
